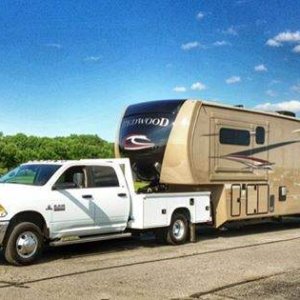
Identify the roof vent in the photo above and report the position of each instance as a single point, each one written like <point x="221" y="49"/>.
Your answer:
<point x="286" y="113"/>
<point x="239" y="105"/>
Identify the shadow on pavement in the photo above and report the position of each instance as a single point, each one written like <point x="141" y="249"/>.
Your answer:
<point x="148" y="240"/>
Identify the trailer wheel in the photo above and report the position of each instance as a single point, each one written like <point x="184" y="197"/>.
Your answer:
<point x="178" y="231"/>
<point x="24" y="244"/>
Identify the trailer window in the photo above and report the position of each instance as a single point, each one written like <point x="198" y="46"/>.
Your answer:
<point x="103" y="176"/>
<point x="230" y="136"/>
<point x="260" y="135"/>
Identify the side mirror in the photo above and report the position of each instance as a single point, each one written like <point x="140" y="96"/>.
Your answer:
<point x="78" y="179"/>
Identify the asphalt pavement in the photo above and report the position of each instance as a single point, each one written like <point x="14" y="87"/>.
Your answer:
<point x="252" y="262"/>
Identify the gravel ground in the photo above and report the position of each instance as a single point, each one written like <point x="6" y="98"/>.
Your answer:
<point x="261" y="261"/>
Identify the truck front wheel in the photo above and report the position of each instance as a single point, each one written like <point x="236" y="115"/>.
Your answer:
<point x="24" y="244"/>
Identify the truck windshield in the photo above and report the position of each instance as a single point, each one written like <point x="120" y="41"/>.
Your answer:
<point x="31" y="174"/>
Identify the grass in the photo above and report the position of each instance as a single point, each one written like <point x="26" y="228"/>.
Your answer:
<point x="140" y="184"/>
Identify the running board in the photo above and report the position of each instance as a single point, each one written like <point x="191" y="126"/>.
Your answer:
<point x="89" y="239"/>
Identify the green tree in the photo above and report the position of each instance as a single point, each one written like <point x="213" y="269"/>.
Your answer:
<point x="19" y="148"/>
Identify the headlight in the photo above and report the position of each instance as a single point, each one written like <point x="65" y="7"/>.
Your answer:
<point x="3" y="212"/>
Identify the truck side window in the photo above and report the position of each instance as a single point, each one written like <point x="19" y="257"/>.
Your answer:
<point x="103" y="176"/>
<point x="74" y="177"/>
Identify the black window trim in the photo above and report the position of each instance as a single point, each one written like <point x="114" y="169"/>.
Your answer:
<point x="91" y="177"/>
<point x="224" y="142"/>
<point x="86" y="177"/>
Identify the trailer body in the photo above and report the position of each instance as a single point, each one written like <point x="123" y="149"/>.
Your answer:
<point x="249" y="160"/>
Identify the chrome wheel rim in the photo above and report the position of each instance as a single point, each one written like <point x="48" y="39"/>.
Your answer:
<point x="27" y="244"/>
<point x="178" y="229"/>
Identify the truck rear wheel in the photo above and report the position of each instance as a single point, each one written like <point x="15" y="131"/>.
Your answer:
<point x="178" y="231"/>
<point x="24" y="244"/>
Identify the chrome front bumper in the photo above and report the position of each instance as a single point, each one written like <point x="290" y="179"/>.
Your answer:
<point x="3" y="229"/>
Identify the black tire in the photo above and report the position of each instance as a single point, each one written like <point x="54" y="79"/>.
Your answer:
<point x="180" y="236"/>
<point x="24" y="244"/>
<point x="177" y="233"/>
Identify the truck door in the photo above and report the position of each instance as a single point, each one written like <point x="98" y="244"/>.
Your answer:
<point x="111" y="198"/>
<point x="72" y="209"/>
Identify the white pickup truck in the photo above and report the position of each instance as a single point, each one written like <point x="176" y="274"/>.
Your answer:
<point x="68" y="202"/>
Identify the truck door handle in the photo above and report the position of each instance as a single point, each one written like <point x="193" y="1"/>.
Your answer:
<point x="87" y="196"/>
<point x="122" y="195"/>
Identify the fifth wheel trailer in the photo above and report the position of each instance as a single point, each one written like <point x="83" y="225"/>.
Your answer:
<point x="249" y="160"/>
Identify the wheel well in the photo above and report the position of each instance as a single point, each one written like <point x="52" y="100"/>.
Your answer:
<point x="184" y="211"/>
<point x="32" y="217"/>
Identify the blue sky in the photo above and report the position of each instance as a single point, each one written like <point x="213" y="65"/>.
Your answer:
<point x="73" y="66"/>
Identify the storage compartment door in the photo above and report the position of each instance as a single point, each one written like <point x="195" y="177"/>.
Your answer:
<point x="263" y="198"/>
<point x="203" y="211"/>
<point x="252" y="200"/>
<point x="235" y="207"/>
<point x="155" y="212"/>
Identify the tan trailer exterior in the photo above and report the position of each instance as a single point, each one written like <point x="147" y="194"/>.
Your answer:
<point x="249" y="160"/>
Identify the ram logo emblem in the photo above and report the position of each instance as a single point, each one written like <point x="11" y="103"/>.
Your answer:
<point x="59" y="207"/>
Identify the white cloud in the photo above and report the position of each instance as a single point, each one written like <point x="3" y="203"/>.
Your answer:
<point x="221" y="43"/>
<point x="230" y="31"/>
<point x="296" y="88"/>
<point x="271" y="93"/>
<point x="273" y="43"/>
<point x="288" y="37"/>
<point x="200" y="15"/>
<point x="92" y="58"/>
<point x="260" y="68"/>
<point x="292" y="105"/>
<point x="179" y="89"/>
<point x="198" y="86"/>
<point x="233" y="79"/>
<point x="284" y="37"/>
<point x="190" y="45"/>
<point x="54" y="45"/>
<point x="296" y="49"/>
